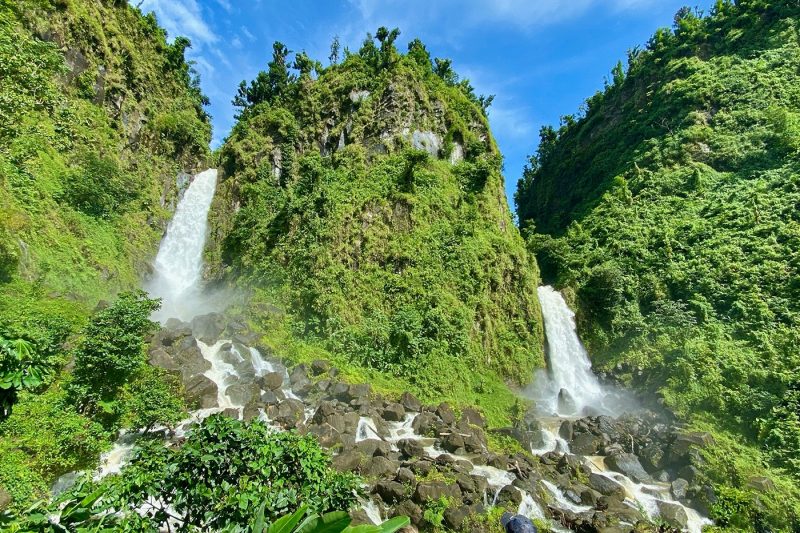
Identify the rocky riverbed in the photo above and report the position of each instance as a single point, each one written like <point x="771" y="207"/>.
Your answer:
<point x="584" y="474"/>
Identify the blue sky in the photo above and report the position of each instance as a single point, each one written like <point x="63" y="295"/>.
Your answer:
<point x="541" y="58"/>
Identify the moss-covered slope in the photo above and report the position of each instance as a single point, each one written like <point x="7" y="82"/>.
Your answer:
<point x="671" y="207"/>
<point x="99" y="114"/>
<point x="371" y="196"/>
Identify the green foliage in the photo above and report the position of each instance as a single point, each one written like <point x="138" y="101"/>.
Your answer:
<point x="332" y="522"/>
<point x="670" y="208"/>
<point x="434" y="511"/>
<point x="153" y="397"/>
<point x="112" y="351"/>
<point x="97" y="188"/>
<point x="386" y="254"/>
<point x="228" y="476"/>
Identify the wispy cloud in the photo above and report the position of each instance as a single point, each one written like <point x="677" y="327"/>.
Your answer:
<point x="182" y="17"/>
<point x="248" y="34"/>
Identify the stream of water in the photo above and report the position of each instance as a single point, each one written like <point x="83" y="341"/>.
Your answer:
<point x="567" y="389"/>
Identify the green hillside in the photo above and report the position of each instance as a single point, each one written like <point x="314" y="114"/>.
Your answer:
<point x="368" y="195"/>
<point x="98" y="116"/>
<point x="669" y="207"/>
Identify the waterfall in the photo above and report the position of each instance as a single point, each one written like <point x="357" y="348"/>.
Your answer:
<point x="178" y="266"/>
<point x="569" y="387"/>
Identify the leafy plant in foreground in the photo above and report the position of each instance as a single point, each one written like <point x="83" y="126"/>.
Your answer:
<point x="19" y="369"/>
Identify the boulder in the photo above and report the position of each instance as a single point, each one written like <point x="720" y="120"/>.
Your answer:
<point x="673" y="514"/>
<point x="509" y="494"/>
<point x="410" y="509"/>
<point x="288" y="413"/>
<point x="271" y="381"/>
<point x="628" y="464"/>
<point x="565" y="431"/>
<point x="606" y="486"/>
<point x="433" y="490"/>
<point x="566" y="403"/>
<point x="445" y="414"/>
<point x="473" y="417"/>
<point x="374" y="447"/>
<point x="411" y="448"/>
<point x="427" y="424"/>
<point x="410" y="402"/>
<point x="679" y="488"/>
<point x="405" y="476"/>
<point x="272" y="397"/>
<point x="586" y="444"/>
<point x="241" y="393"/>
<point x="201" y="391"/>
<point x="454" y="516"/>
<point x="394" y="412"/>
<point x="390" y="491"/>
<point x="349" y="461"/>
<point x="379" y="466"/>
<point x="326" y="434"/>
<point x="5" y="499"/>
<point x="652" y="458"/>
<point x="453" y="443"/>
<point x="319" y="367"/>
<point x="208" y="327"/>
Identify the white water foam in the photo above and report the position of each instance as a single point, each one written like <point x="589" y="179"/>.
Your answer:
<point x="178" y="266"/>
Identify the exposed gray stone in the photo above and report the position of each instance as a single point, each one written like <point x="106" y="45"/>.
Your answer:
<point x="628" y="464"/>
<point x="672" y="513"/>
<point x="208" y="327"/>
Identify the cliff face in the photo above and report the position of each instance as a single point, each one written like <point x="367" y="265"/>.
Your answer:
<point x="372" y="195"/>
<point x="670" y="208"/>
<point x="99" y="115"/>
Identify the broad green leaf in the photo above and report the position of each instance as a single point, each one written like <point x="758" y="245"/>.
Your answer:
<point x="333" y="522"/>
<point x="286" y="524"/>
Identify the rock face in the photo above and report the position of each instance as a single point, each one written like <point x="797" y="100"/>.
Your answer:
<point x="413" y="455"/>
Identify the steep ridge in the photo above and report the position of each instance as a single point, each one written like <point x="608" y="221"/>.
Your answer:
<point x="101" y="119"/>
<point x="668" y="212"/>
<point x="369" y="198"/>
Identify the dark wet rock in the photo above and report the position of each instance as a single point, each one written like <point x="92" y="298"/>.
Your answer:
<point x="454" y="516"/>
<point x="422" y="467"/>
<point x="272" y="397"/>
<point x="628" y="464"/>
<point x="445" y="413"/>
<point x="411" y="448"/>
<point x="517" y="524"/>
<point x="374" y="447"/>
<point x="653" y="458"/>
<point x="586" y="444"/>
<point x="208" y="327"/>
<point x="518" y="434"/>
<point x="410" y="509"/>
<point x="405" y="476"/>
<point x="322" y="385"/>
<point x="349" y="461"/>
<point x="473" y="417"/>
<point x="565" y="431"/>
<point x="434" y="490"/>
<point x="201" y="391"/>
<point x="288" y="413"/>
<point x="394" y="412"/>
<point x="390" y="491"/>
<point x="379" y="466"/>
<point x="359" y="391"/>
<point x="427" y="424"/>
<point x="359" y="517"/>
<point x="497" y="461"/>
<point x="475" y="441"/>
<point x="243" y="393"/>
<point x="509" y="494"/>
<point x="250" y="412"/>
<point x="589" y="497"/>
<point x="231" y="412"/>
<point x="453" y="443"/>
<point x="689" y="473"/>
<point x="298" y="375"/>
<point x="661" y="476"/>
<point x="327" y="435"/>
<point x="679" y="488"/>
<point x="410" y="402"/>
<point x="566" y="403"/>
<point x="319" y="367"/>
<point x="606" y="486"/>
<point x="271" y="381"/>
<point x="673" y="514"/>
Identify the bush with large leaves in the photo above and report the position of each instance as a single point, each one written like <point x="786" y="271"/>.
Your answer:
<point x="228" y="475"/>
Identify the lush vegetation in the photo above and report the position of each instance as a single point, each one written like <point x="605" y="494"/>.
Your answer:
<point x="372" y="204"/>
<point x="227" y="476"/>
<point x="98" y="114"/>
<point x="669" y="209"/>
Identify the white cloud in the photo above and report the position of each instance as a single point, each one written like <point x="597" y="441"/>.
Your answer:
<point x="226" y="5"/>
<point x="246" y="33"/>
<point x="236" y="43"/>
<point x="462" y="14"/>
<point x="182" y="17"/>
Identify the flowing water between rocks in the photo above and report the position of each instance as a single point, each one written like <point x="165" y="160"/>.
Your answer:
<point x="398" y="445"/>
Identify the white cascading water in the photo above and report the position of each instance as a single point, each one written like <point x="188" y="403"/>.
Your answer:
<point x="178" y="267"/>
<point x="568" y="387"/>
